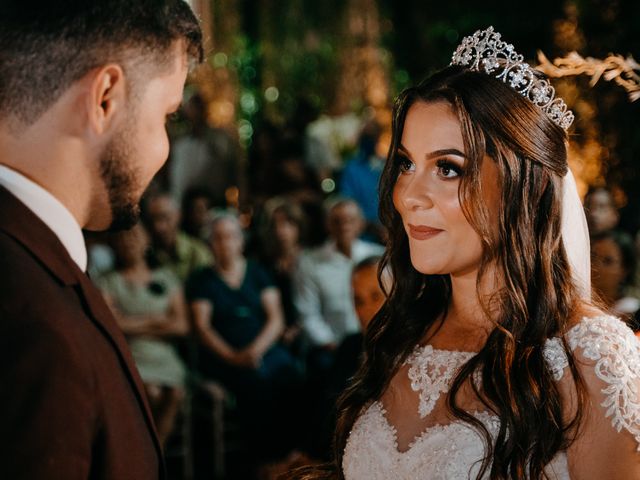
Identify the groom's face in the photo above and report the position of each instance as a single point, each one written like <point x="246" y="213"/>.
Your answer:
<point x="140" y="146"/>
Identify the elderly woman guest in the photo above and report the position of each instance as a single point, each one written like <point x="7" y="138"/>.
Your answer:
<point x="238" y="320"/>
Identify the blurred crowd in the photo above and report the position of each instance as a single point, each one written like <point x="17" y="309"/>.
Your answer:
<point x="253" y="282"/>
<point x="261" y="280"/>
<point x="615" y="246"/>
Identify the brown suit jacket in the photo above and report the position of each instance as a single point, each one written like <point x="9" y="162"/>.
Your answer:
<point x="72" y="405"/>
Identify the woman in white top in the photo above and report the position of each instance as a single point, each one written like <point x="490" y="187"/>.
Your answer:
<point x="487" y="359"/>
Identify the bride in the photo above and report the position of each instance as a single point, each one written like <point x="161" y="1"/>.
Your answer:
<point x="488" y="359"/>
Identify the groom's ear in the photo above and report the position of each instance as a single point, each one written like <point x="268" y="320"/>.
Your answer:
<point x="105" y="98"/>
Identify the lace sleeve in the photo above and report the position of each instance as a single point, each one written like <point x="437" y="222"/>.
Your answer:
<point x="556" y="357"/>
<point x="614" y="351"/>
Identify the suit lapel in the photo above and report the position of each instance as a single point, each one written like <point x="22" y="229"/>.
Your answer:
<point x="103" y="318"/>
<point x="24" y="226"/>
<point x="27" y="229"/>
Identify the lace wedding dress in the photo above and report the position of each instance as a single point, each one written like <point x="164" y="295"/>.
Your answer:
<point x="454" y="450"/>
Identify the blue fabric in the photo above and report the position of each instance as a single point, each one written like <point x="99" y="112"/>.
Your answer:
<point x="359" y="181"/>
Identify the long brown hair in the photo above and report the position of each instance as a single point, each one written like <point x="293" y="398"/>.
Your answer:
<point x="538" y="297"/>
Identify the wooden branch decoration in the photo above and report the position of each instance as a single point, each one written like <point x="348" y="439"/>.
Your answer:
<point x="623" y="71"/>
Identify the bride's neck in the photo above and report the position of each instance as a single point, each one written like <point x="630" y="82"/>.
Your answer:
<point x="466" y="314"/>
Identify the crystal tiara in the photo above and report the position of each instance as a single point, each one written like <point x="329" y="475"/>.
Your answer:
<point x="485" y="52"/>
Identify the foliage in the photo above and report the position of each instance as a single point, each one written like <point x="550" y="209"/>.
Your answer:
<point x="287" y="51"/>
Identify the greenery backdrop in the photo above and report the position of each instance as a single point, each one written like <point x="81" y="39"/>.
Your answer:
<point x="276" y="53"/>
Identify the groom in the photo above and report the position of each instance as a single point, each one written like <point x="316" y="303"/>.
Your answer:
<point x="85" y="89"/>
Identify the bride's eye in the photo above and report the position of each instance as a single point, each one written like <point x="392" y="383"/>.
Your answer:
<point x="404" y="164"/>
<point x="448" y="169"/>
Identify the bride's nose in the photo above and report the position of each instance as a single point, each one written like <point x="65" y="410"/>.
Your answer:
<point x="415" y="193"/>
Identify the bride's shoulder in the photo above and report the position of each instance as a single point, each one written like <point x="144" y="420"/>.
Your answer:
<point x="603" y="343"/>
<point x="586" y="312"/>
<point x="590" y="324"/>
<point x="597" y="341"/>
<point x="606" y="353"/>
<point x="594" y="337"/>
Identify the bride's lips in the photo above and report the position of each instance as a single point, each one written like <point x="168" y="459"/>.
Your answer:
<point x="423" y="232"/>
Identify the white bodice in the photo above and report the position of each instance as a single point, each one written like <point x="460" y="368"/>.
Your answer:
<point x="455" y="450"/>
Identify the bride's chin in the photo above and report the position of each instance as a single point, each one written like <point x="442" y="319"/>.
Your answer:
<point x="425" y="268"/>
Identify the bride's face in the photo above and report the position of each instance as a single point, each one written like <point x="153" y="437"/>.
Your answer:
<point x="432" y="161"/>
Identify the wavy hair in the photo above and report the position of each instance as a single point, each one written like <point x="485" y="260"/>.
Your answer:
<point x="537" y="298"/>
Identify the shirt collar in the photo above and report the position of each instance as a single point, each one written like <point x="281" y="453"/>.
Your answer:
<point x="50" y="210"/>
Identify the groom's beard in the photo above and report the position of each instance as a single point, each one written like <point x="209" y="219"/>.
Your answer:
<point x="120" y="180"/>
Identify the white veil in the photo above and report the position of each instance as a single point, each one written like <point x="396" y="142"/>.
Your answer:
<point x="575" y="236"/>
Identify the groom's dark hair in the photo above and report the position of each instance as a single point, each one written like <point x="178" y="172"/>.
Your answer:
<point x="46" y="45"/>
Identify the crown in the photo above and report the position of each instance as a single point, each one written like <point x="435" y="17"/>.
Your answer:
<point x="485" y="52"/>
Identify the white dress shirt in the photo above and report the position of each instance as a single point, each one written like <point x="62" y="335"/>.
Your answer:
<point x="322" y="291"/>
<point x="50" y="210"/>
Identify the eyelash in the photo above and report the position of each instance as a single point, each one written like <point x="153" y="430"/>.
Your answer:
<point x="448" y="165"/>
<point x="404" y="165"/>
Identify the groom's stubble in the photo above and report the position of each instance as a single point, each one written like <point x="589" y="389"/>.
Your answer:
<point x="120" y="177"/>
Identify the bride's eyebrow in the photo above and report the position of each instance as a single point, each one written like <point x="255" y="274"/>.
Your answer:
<point x="444" y="152"/>
<point x="404" y="151"/>
<point x="436" y="153"/>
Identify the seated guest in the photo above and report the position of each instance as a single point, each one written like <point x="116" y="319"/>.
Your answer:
<point x="196" y="216"/>
<point x="368" y="297"/>
<point x="150" y="309"/>
<point x="170" y="247"/>
<point x="322" y="292"/>
<point x="204" y="157"/>
<point x="361" y="175"/>
<point x="282" y="245"/>
<point x="613" y="263"/>
<point x="600" y="209"/>
<point x="238" y="320"/>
